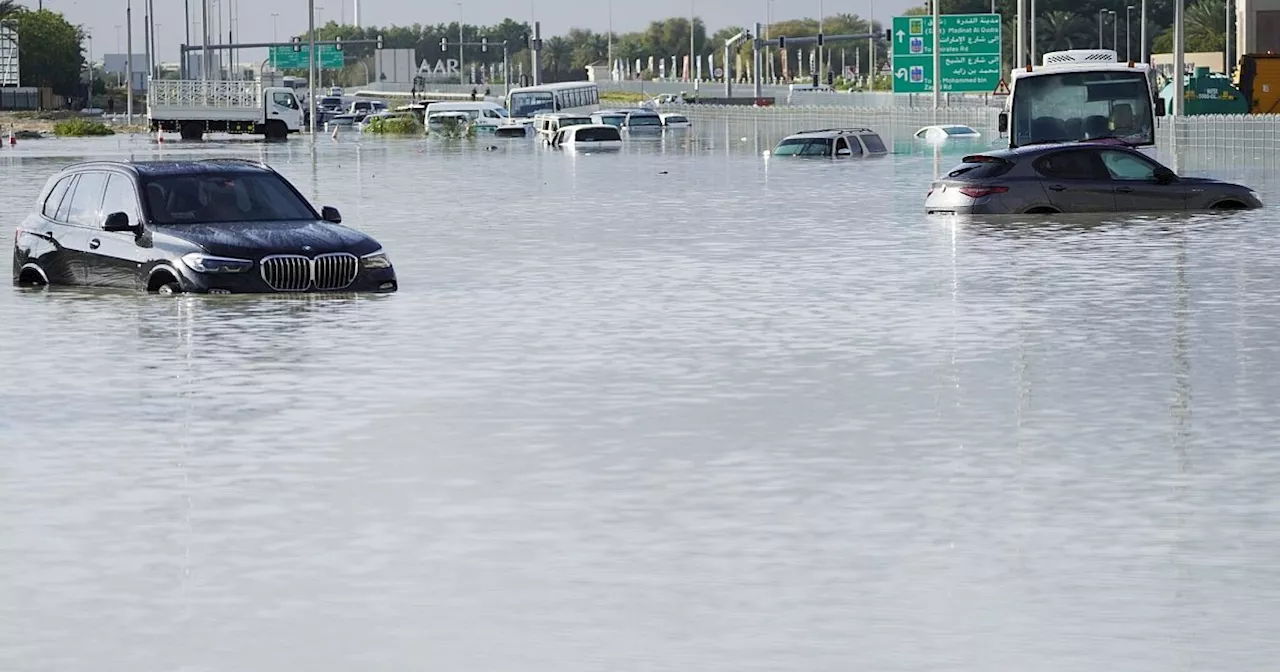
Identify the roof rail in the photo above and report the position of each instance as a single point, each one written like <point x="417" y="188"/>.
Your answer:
<point x="233" y="159"/>
<point x="849" y="129"/>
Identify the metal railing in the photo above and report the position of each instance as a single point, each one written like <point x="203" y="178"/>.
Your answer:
<point x="768" y="125"/>
<point x="204" y="93"/>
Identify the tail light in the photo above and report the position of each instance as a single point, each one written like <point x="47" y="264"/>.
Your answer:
<point x="979" y="192"/>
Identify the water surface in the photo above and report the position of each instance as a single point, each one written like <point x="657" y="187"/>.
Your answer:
<point x="674" y="408"/>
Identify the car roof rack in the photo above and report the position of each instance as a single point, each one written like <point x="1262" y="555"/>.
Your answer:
<point x="851" y="129"/>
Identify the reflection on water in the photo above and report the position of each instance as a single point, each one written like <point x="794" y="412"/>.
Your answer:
<point x="674" y="407"/>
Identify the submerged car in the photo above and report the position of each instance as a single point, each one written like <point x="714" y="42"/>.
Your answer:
<point x="841" y="143"/>
<point x="588" y="137"/>
<point x="674" y="120"/>
<point x="942" y="133"/>
<point x="217" y="226"/>
<point x="1076" y="178"/>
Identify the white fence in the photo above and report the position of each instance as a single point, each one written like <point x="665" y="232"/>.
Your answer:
<point x="1222" y="143"/>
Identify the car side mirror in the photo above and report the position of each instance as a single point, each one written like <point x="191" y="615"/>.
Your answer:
<point x="844" y="151"/>
<point x="1160" y="109"/>
<point x="118" y="222"/>
<point x="1165" y="176"/>
<point x="330" y="214"/>
<point x="1002" y="122"/>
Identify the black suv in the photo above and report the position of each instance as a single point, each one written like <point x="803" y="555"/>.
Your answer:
<point x="217" y="226"/>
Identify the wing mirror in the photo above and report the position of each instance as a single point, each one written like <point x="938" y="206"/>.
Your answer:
<point x="844" y="151"/>
<point x="1165" y="176"/>
<point x="1160" y="109"/>
<point x="330" y="214"/>
<point x="119" y="222"/>
<point x="1002" y="122"/>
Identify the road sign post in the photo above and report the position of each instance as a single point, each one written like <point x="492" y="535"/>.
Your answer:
<point x="969" y="53"/>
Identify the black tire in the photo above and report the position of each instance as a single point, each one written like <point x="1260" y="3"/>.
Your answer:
<point x="1226" y="205"/>
<point x="192" y="130"/>
<point x="1042" y="211"/>
<point x="276" y="130"/>
<point x="31" y="276"/>
<point x="169" y="289"/>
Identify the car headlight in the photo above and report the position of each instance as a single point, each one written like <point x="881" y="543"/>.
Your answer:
<point x="206" y="263"/>
<point x="375" y="260"/>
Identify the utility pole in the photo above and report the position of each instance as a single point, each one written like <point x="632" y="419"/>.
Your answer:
<point x="937" y="56"/>
<point x="155" y="57"/>
<point x="462" y="70"/>
<point x="204" y="40"/>
<point x="689" y="67"/>
<point x="871" y="47"/>
<point x="128" y="65"/>
<point x="186" y="22"/>
<point x="311" y="65"/>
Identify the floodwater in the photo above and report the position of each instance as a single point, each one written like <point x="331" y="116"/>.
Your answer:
<point x="675" y="408"/>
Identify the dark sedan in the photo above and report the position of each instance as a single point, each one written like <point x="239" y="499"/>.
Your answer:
<point x="1075" y="178"/>
<point x="218" y="226"/>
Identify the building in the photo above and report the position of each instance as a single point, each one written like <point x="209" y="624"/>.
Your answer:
<point x="1257" y="26"/>
<point x="115" y="65"/>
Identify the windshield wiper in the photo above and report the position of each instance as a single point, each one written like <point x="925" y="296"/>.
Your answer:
<point x="1109" y="139"/>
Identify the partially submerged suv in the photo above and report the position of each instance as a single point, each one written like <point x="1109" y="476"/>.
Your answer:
<point x="841" y="143"/>
<point x="216" y="226"/>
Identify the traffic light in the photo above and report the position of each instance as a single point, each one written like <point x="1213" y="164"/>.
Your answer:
<point x="444" y="44"/>
<point x="888" y="34"/>
<point x="379" y="41"/>
<point x="819" y="39"/>
<point x="337" y="43"/>
<point x="831" y="78"/>
<point x="297" y="44"/>
<point x="782" y="41"/>
<point x="484" y="44"/>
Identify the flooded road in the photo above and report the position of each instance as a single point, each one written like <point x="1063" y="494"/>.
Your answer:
<point x="675" y="408"/>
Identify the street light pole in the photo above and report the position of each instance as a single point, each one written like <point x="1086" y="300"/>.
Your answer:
<point x="128" y="66"/>
<point x="689" y="67"/>
<point x="311" y="65"/>
<point x="1101" y="12"/>
<point x="1115" y="29"/>
<point x="1128" y="43"/>
<point x="462" y="76"/>
<point x="274" y="16"/>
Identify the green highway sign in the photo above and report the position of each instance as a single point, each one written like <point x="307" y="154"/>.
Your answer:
<point x="970" y="53"/>
<point x="285" y="58"/>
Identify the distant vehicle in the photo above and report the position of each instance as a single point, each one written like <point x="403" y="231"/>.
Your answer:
<point x="1076" y="177"/>
<point x="527" y="101"/>
<point x="674" y="120"/>
<point x="611" y="117"/>
<point x="196" y="107"/>
<point x="642" y="121"/>
<point x="588" y="137"/>
<point x="217" y="226"/>
<point x="664" y="99"/>
<point x="477" y="110"/>
<point x="547" y="125"/>
<point x="1081" y="94"/>
<point x="439" y="122"/>
<point x="841" y="143"/>
<point x="942" y="133"/>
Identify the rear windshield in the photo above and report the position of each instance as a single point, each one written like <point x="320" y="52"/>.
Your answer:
<point x="574" y="121"/>
<point x="804" y="147"/>
<point x="330" y="102"/>
<point x="676" y="120"/>
<point x="874" y="144"/>
<point x="978" y="169"/>
<point x="597" y="134"/>
<point x="223" y="197"/>
<point x="644" y="120"/>
<point x="957" y="130"/>
<point x="612" y="119"/>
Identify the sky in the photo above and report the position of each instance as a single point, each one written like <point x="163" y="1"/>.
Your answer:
<point x="255" y="20"/>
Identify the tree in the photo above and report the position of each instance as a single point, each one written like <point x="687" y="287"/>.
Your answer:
<point x="1204" y="24"/>
<point x="49" y="51"/>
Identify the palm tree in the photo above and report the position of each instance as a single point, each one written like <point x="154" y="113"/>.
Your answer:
<point x="9" y="9"/>
<point x="1059" y="31"/>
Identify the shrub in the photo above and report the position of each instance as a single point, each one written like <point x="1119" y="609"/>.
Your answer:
<point x="78" y="128"/>
<point x="406" y="125"/>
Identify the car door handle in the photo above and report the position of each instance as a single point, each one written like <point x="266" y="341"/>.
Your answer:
<point x="1124" y="190"/>
<point x="93" y="244"/>
<point x="1057" y="187"/>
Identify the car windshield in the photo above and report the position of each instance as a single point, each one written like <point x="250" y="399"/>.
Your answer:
<point x="208" y="198"/>
<point x="1074" y="106"/>
<point x="644" y="120"/>
<point x="803" y="147"/>
<point x="612" y="119"/>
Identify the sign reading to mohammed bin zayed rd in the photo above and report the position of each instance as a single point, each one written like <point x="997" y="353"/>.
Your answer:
<point x="970" y="53"/>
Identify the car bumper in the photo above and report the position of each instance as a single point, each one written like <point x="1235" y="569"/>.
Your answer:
<point x="955" y="203"/>
<point x="381" y="281"/>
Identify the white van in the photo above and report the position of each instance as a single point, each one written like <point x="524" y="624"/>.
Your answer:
<point x="547" y="125"/>
<point x="482" y="114"/>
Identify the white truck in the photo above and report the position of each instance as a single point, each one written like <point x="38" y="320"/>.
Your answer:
<point x="195" y="107"/>
<point x="1082" y="94"/>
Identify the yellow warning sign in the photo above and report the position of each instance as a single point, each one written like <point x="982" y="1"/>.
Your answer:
<point x="1002" y="89"/>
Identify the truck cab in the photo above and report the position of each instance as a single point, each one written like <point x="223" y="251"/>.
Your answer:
<point x="1082" y="94"/>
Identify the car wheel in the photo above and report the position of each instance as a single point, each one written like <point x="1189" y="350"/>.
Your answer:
<point x="169" y="288"/>
<point x="1227" y="205"/>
